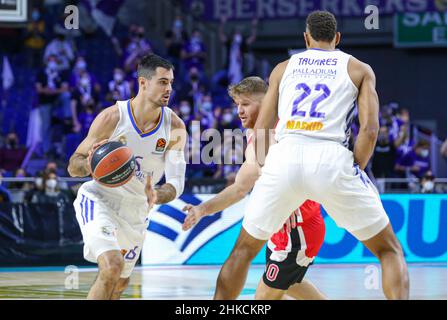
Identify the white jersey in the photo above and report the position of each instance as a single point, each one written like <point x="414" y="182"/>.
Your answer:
<point x="148" y="148"/>
<point x="317" y="98"/>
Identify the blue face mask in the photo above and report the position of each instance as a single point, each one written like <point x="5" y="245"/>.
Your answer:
<point x="178" y="24"/>
<point x="35" y="15"/>
<point x="207" y="106"/>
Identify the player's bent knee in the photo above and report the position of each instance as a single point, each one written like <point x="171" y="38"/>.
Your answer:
<point x="384" y="243"/>
<point x="245" y="252"/>
<point x="111" y="267"/>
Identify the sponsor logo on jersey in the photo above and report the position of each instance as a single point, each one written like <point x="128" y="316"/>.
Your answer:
<point x="108" y="231"/>
<point x="303" y="125"/>
<point x="161" y="145"/>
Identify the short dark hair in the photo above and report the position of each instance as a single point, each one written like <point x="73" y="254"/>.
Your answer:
<point x="149" y="64"/>
<point x="322" y="25"/>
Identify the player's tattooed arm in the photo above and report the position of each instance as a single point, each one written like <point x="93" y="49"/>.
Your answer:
<point x="100" y="130"/>
<point x="368" y="107"/>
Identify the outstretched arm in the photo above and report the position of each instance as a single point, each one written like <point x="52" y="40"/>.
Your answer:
<point x="244" y="182"/>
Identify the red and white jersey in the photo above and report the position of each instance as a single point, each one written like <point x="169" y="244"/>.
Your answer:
<point x="317" y="97"/>
<point x="311" y="230"/>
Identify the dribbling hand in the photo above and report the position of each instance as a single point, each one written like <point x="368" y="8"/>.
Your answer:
<point x="92" y="150"/>
<point x="151" y="193"/>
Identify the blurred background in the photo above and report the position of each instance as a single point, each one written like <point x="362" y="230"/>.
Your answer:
<point x="60" y="70"/>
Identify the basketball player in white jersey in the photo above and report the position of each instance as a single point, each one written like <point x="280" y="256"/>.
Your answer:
<point x="313" y="95"/>
<point x="292" y="250"/>
<point x="113" y="221"/>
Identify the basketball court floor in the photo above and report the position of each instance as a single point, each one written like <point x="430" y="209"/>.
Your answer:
<point x="337" y="281"/>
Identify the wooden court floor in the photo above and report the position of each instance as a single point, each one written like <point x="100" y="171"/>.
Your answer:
<point x="341" y="281"/>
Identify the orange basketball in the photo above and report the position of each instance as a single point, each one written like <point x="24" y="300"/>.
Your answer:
<point x="112" y="164"/>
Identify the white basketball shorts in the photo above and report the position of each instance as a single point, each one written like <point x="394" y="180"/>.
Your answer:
<point x="297" y="169"/>
<point x="111" y="223"/>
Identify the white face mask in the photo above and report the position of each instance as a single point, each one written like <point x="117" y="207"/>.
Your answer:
<point x="227" y="117"/>
<point x="425" y="153"/>
<point x="52" y="65"/>
<point x="428" y="186"/>
<point x="118" y="77"/>
<point x="51" y="184"/>
<point x="39" y="182"/>
<point x="178" y="24"/>
<point x="238" y="38"/>
<point x="85" y="81"/>
<point x="207" y="106"/>
<point x="185" y="109"/>
<point x="81" y="65"/>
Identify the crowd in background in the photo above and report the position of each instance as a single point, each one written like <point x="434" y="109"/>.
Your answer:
<point x="69" y="96"/>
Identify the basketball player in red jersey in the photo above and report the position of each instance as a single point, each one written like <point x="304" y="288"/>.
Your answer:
<point x="114" y="221"/>
<point x="290" y="251"/>
<point x="312" y="98"/>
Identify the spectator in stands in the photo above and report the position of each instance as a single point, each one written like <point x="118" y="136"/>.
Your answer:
<point x="227" y="120"/>
<point x="206" y="109"/>
<point x="194" y="52"/>
<point x="237" y="45"/>
<point x="79" y="70"/>
<point x="119" y="87"/>
<point x="35" y="38"/>
<point x="85" y="100"/>
<point x="20" y="185"/>
<point x="417" y="161"/>
<point x="194" y="88"/>
<point x="86" y="118"/>
<point x="186" y="113"/>
<point x="52" y="167"/>
<point x="136" y="49"/>
<point x="428" y="183"/>
<point x="173" y="41"/>
<point x="52" y="192"/>
<point x="51" y="87"/>
<point x="12" y="154"/>
<point x="37" y="186"/>
<point x="384" y="157"/>
<point x="62" y="50"/>
<point x="5" y="196"/>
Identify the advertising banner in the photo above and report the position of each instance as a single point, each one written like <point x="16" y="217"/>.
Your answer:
<point x="418" y="220"/>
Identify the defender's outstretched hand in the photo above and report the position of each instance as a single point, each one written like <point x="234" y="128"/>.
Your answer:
<point x="194" y="214"/>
